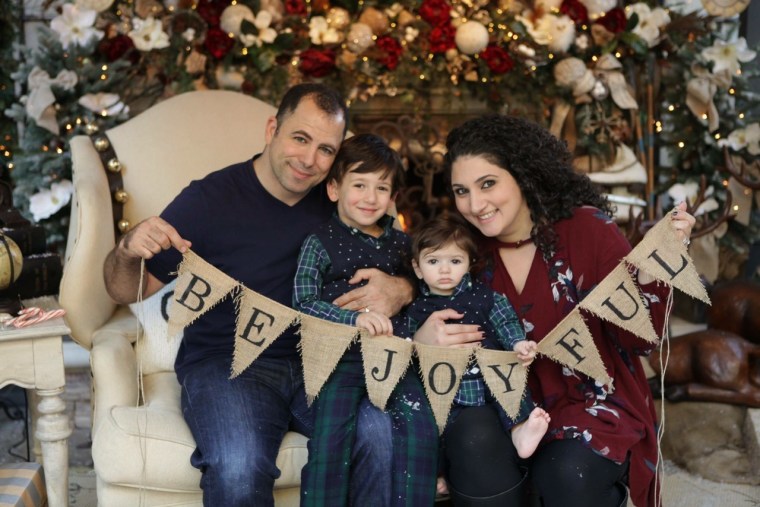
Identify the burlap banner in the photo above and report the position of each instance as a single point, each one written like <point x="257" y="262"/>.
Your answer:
<point x="442" y="369"/>
<point x="322" y="345"/>
<point x="386" y="359"/>
<point x="617" y="299"/>
<point x="571" y="343"/>
<point x="199" y="287"/>
<point x="505" y="376"/>
<point x="260" y="321"/>
<point x="664" y="256"/>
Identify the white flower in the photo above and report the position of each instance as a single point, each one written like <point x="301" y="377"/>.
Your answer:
<point x="266" y="34"/>
<point x="650" y="21"/>
<point x="556" y="32"/>
<point x="189" y="34"/>
<point x="45" y="203"/>
<point x="687" y="192"/>
<point x="147" y="34"/>
<point x="321" y="32"/>
<point x="66" y="79"/>
<point x="598" y="8"/>
<point x="727" y="55"/>
<point x="410" y="33"/>
<point x="748" y="137"/>
<point x="75" y="26"/>
<point x="105" y="104"/>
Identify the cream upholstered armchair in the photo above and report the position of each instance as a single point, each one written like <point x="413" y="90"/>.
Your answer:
<point x="141" y="445"/>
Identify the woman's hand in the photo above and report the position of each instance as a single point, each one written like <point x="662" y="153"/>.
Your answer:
<point x="683" y="222"/>
<point x="435" y="331"/>
<point x="383" y="293"/>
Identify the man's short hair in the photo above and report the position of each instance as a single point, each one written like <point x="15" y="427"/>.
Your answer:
<point x="327" y="99"/>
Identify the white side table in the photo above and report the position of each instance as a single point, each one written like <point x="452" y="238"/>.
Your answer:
<point x="32" y="358"/>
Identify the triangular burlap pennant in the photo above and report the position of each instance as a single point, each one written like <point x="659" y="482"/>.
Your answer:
<point x="505" y="376"/>
<point x="442" y="369"/>
<point x="386" y="358"/>
<point x="664" y="256"/>
<point x="571" y="343"/>
<point x="617" y="300"/>
<point x="260" y="321"/>
<point x="322" y="345"/>
<point x="199" y="287"/>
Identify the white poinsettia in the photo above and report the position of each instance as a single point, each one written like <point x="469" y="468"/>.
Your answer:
<point x="598" y="8"/>
<point x="727" y="55"/>
<point x="148" y="34"/>
<point x="266" y="33"/>
<point x="748" y="137"/>
<point x="555" y="32"/>
<point x="75" y="26"/>
<point x="651" y="21"/>
<point x="46" y="203"/>
<point x="687" y="192"/>
<point x="321" y="32"/>
<point x="105" y="104"/>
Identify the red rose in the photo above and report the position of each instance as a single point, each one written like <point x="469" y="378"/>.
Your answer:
<point x="497" y="59"/>
<point x="435" y="12"/>
<point x="218" y="43"/>
<point x="390" y="50"/>
<point x="575" y="11"/>
<point x="442" y="38"/>
<point x="296" y="7"/>
<point x="211" y="10"/>
<point x="317" y="63"/>
<point x="116" y="47"/>
<point x="614" y="20"/>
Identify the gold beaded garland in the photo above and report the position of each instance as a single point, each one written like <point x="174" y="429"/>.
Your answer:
<point x="124" y="225"/>
<point x="114" y="165"/>
<point x="102" y="144"/>
<point x="121" y="196"/>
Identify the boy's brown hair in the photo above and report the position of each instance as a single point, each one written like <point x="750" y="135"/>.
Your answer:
<point x="373" y="154"/>
<point x="442" y="231"/>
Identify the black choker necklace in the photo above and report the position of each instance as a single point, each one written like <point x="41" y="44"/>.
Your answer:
<point x="514" y="244"/>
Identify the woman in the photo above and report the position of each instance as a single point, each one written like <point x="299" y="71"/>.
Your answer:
<point x="548" y="239"/>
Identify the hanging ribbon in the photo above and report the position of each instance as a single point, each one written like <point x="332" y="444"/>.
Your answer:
<point x="700" y="91"/>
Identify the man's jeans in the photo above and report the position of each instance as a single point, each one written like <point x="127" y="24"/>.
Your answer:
<point x="239" y="423"/>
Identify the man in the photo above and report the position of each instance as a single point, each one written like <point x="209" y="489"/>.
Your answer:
<point x="249" y="220"/>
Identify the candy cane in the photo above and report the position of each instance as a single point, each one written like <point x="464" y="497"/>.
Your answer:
<point x="33" y="315"/>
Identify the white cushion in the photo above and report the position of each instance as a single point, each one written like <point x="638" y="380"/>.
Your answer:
<point x="156" y="351"/>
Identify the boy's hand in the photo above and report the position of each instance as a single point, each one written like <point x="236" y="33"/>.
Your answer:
<point x="376" y="323"/>
<point x="526" y="351"/>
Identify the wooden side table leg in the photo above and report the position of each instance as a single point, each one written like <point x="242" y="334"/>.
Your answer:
<point x="53" y="430"/>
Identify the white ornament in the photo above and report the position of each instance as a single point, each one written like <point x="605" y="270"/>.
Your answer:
<point x="359" y="38"/>
<point x="471" y="38"/>
<point x="233" y="16"/>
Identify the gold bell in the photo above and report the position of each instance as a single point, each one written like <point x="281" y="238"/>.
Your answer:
<point x="101" y="143"/>
<point x="124" y="225"/>
<point x="91" y="129"/>
<point x="121" y="196"/>
<point x="114" y="165"/>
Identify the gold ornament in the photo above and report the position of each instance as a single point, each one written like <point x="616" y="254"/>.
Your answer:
<point x="114" y="165"/>
<point x="124" y="225"/>
<point x="91" y="129"/>
<point x="102" y="144"/>
<point x="121" y="196"/>
<point x="375" y="19"/>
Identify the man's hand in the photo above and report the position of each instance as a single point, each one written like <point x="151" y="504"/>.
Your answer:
<point x="149" y="237"/>
<point x="383" y="293"/>
<point x="121" y="270"/>
<point x="435" y="331"/>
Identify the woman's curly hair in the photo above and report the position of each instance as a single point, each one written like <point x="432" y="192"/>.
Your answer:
<point x="539" y="162"/>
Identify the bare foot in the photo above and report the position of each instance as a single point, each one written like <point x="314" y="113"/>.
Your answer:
<point x="528" y="433"/>
<point x="441" y="488"/>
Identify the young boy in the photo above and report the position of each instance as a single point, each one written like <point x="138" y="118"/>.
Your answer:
<point x="363" y="182"/>
<point x="442" y="252"/>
